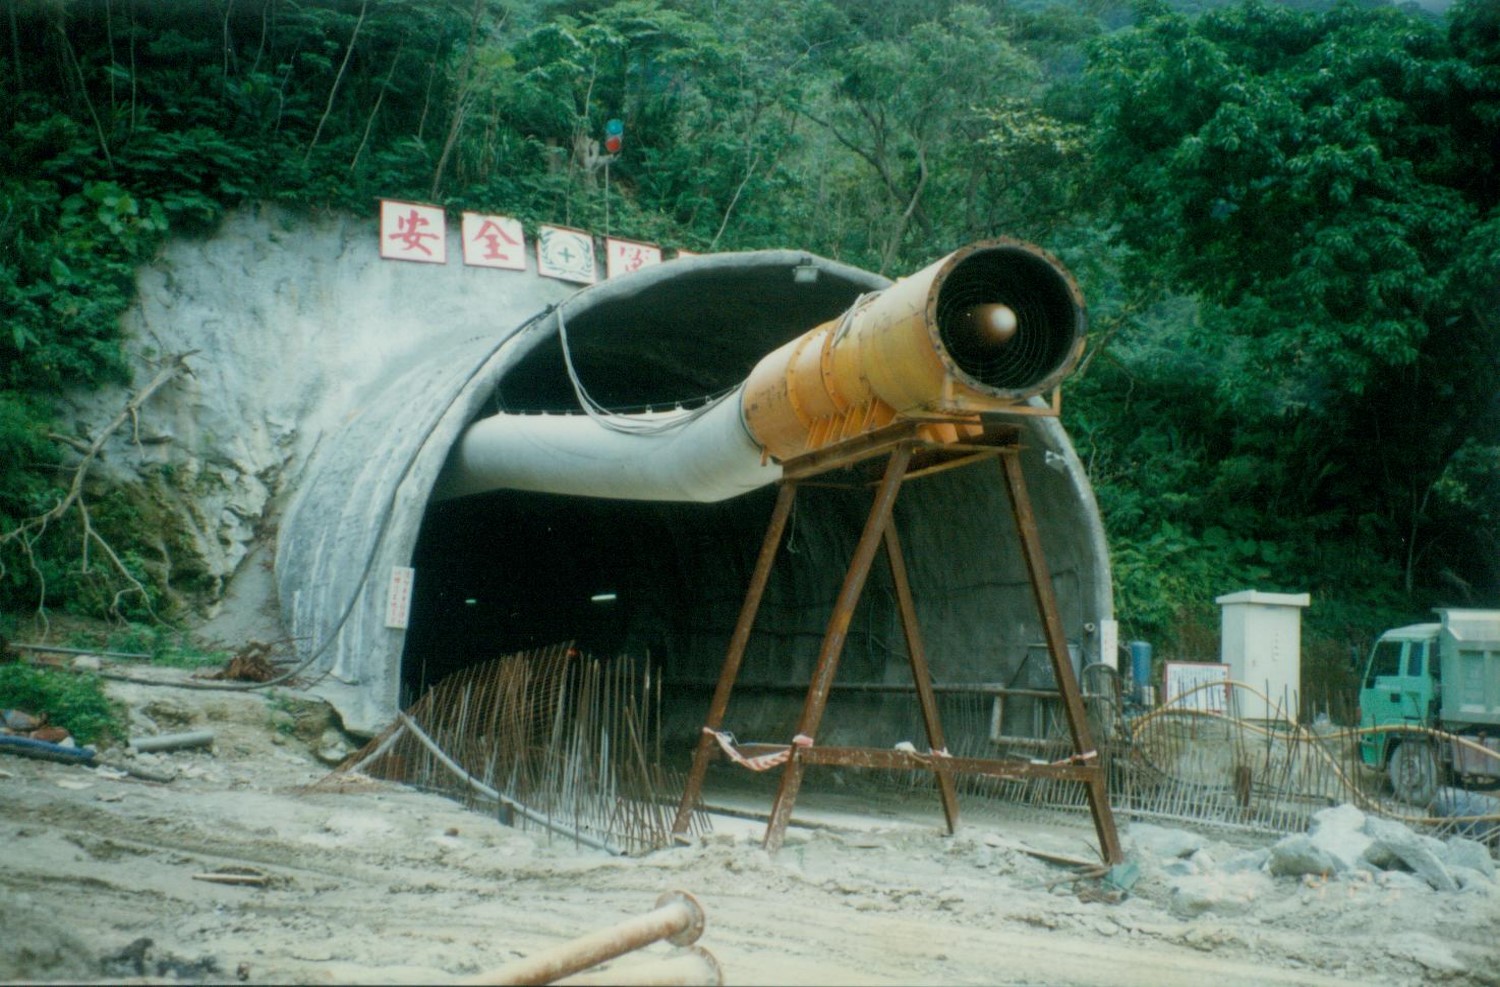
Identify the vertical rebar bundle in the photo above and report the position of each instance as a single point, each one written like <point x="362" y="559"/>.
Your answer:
<point x="551" y="738"/>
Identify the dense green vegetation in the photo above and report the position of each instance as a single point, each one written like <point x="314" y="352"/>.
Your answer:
<point x="74" y="701"/>
<point x="1286" y="217"/>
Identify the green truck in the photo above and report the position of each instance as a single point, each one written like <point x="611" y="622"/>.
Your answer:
<point x="1446" y="676"/>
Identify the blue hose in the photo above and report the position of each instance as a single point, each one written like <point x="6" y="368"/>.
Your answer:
<point x="44" y="751"/>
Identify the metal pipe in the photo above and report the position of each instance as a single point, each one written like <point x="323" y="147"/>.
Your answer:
<point x="677" y="918"/>
<point x="983" y="329"/>
<point x="173" y="741"/>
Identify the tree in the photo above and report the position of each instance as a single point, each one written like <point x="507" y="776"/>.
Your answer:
<point x="1324" y="185"/>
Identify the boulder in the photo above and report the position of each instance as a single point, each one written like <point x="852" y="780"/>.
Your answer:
<point x="1298" y="854"/>
<point x="1461" y="852"/>
<point x="1339" y="832"/>
<point x="1393" y="843"/>
<point x="1221" y="894"/>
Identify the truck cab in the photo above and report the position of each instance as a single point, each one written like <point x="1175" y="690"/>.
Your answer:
<point x="1400" y="687"/>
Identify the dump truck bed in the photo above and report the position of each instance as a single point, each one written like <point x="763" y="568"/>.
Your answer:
<point x="1470" y="654"/>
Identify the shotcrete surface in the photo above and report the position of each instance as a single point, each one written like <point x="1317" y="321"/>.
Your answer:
<point x="373" y="883"/>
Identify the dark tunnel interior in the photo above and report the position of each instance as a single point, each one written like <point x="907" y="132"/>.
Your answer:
<point x="512" y="571"/>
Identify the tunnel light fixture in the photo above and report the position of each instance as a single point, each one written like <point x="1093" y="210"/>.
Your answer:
<point x="605" y="597"/>
<point x="471" y="602"/>
<point x="805" y="272"/>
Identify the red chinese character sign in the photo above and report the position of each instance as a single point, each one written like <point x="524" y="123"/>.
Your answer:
<point x="411" y="231"/>
<point x="624" y="256"/>
<point x="565" y="254"/>
<point x="493" y="241"/>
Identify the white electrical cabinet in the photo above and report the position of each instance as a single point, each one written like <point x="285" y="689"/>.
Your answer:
<point x="1262" y="645"/>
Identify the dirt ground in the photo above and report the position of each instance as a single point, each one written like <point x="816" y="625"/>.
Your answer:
<point x="374" y="883"/>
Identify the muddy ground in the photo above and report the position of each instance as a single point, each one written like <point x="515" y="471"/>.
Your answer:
<point x="372" y="883"/>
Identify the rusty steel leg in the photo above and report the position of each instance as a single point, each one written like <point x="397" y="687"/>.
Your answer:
<point x="1057" y="647"/>
<point x="921" y="675"/>
<point x="677" y="918"/>
<point x="737" y="642"/>
<point x="833" y="640"/>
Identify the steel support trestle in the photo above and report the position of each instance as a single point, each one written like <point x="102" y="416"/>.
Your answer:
<point x="907" y="455"/>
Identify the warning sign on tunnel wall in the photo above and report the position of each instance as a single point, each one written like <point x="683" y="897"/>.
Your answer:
<point x="493" y="241"/>
<point x="413" y="231"/>
<point x="398" y="597"/>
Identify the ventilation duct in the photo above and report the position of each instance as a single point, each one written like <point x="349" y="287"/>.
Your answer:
<point x="979" y="331"/>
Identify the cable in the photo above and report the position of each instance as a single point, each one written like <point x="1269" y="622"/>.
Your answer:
<point x="658" y="423"/>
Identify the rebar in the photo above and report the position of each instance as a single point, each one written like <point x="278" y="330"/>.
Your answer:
<point x="549" y="738"/>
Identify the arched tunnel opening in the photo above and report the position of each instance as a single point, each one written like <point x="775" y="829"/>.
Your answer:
<point x="662" y="582"/>
<point x="657" y="582"/>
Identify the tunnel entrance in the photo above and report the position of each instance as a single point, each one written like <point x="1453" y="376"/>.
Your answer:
<point x="507" y="571"/>
<point x="511" y="571"/>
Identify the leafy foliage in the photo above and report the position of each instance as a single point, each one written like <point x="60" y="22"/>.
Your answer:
<point x="1285" y="217"/>
<point x="1313" y="182"/>
<point x="75" y="702"/>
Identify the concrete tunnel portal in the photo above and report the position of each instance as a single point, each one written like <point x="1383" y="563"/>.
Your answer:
<point x="508" y="570"/>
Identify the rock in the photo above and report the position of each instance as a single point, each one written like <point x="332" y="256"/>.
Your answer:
<point x="333" y="747"/>
<point x="87" y="663"/>
<point x="1400" y="880"/>
<point x="1393" y="842"/>
<point x="1163" y="842"/>
<point x="169" y="712"/>
<point x="1473" y="881"/>
<point x="1339" y="832"/>
<point x="1222" y="894"/>
<point x="1298" y="854"/>
<point x="1471" y="854"/>
<point x="1247" y="860"/>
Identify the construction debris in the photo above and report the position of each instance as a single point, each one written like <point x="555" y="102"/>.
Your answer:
<point x="253" y="664"/>
<point x="237" y="876"/>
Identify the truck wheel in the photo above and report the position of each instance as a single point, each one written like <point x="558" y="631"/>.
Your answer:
<point x="1413" y="771"/>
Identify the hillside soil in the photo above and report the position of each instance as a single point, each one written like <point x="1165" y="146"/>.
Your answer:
<point x="368" y="882"/>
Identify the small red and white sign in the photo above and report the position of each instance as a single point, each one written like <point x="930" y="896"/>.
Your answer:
<point x="398" y="597"/>
<point x="565" y="254"/>
<point x="413" y="231"/>
<point x="625" y="256"/>
<point x="493" y="241"/>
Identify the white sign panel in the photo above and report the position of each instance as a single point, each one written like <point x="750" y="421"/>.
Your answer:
<point x="624" y="256"/>
<point x="493" y="241"/>
<point x="1184" y="677"/>
<point x="398" y="597"/>
<point x="1109" y="642"/>
<point x="565" y="254"/>
<point x="412" y="231"/>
